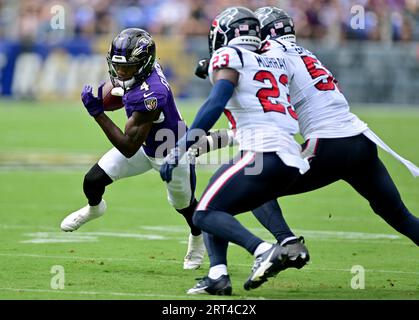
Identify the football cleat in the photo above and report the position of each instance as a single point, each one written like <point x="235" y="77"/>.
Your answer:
<point x="76" y="219"/>
<point x="298" y="255"/>
<point x="266" y="265"/>
<point x="220" y="286"/>
<point x="195" y="254"/>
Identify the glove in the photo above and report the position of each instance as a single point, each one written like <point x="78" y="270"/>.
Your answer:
<point x="201" y="70"/>
<point x="93" y="105"/>
<point x="169" y="164"/>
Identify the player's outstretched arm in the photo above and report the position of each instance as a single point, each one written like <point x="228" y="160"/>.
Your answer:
<point x="137" y="129"/>
<point x="214" y="140"/>
<point x="224" y="82"/>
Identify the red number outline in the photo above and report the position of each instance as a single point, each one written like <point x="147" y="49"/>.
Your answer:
<point x="226" y="61"/>
<point x="264" y="94"/>
<point x="273" y="92"/>
<point x="315" y="70"/>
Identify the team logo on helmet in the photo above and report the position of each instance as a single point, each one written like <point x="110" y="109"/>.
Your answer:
<point x="226" y="18"/>
<point x="235" y="25"/>
<point x="142" y="44"/>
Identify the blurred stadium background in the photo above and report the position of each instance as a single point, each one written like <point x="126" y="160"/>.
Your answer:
<point x="378" y="63"/>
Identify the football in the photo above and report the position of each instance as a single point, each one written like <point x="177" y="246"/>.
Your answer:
<point x="112" y="97"/>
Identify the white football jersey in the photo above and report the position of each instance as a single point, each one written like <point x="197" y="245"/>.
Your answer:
<point x="259" y="109"/>
<point x="323" y="111"/>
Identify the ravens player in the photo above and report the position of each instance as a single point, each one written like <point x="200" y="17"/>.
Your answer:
<point x="153" y="125"/>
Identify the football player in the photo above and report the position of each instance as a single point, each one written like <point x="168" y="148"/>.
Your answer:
<point x="152" y="117"/>
<point x="338" y="145"/>
<point x="269" y="159"/>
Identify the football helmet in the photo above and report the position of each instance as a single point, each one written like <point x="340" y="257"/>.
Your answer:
<point x="131" y="57"/>
<point x="234" y="26"/>
<point x="274" y="23"/>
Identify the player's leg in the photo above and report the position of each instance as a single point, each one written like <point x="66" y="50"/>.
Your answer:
<point x="372" y="180"/>
<point x="111" y="167"/>
<point x="323" y="171"/>
<point x="270" y="216"/>
<point x="232" y="190"/>
<point x="218" y="280"/>
<point x="94" y="184"/>
<point x="181" y="195"/>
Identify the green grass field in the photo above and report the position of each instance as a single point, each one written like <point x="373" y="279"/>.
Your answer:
<point x="136" y="250"/>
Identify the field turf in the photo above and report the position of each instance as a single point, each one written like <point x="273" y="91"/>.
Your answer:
<point x="136" y="250"/>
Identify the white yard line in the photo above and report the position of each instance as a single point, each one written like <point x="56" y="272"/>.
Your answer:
<point x="70" y="257"/>
<point x="104" y="293"/>
<point x="132" y="294"/>
<point x="316" y="234"/>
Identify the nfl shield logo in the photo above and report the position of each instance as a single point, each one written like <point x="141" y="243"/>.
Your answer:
<point x="150" y="103"/>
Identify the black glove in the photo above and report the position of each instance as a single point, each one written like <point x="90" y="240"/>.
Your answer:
<point x="201" y="70"/>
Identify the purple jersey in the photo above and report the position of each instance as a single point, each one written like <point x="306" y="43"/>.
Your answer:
<point x="154" y="93"/>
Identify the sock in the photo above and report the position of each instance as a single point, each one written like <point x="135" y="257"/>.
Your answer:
<point x="263" y="247"/>
<point x="225" y="226"/>
<point x="187" y="213"/>
<point x="217" y="271"/>
<point x="94" y="184"/>
<point x="216" y="249"/>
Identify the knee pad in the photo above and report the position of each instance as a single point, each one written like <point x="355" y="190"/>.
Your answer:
<point x="95" y="182"/>
<point x="96" y="176"/>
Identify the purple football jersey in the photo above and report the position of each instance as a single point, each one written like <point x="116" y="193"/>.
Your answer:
<point x="154" y="93"/>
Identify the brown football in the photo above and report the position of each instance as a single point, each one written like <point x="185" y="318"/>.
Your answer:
<point x="112" y="97"/>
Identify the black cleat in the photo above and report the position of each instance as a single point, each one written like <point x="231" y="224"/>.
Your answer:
<point x="219" y="287"/>
<point x="267" y="265"/>
<point x="298" y="255"/>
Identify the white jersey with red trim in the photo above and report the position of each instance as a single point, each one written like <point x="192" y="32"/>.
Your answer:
<point x="259" y="108"/>
<point x="323" y="111"/>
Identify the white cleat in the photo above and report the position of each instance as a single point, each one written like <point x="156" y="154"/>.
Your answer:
<point x="195" y="255"/>
<point x="76" y="219"/>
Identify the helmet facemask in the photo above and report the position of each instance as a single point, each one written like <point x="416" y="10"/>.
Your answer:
<point x="131" y="58"/>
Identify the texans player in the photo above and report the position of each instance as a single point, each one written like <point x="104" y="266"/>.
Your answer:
<point x="153" y="118"/>
<point x="269" y="160"/>
<point x="338" y="144"/>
